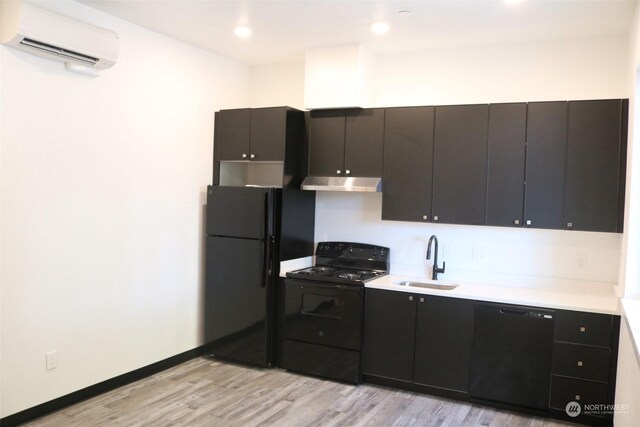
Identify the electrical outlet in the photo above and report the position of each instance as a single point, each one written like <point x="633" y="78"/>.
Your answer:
<point x="582" y="261"/>
<point x="52" y="359"/>
<point x="477" y="253"/>
<point x="447" y="252"/>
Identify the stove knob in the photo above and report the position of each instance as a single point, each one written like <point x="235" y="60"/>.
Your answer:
<point x="350" y="249"/>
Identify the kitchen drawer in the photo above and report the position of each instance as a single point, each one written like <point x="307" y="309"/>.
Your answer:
<point x="590" y="363"/>
<point x="565" y="390"/>
<point x="583" y="328"/>
<point x="327" y="362"/>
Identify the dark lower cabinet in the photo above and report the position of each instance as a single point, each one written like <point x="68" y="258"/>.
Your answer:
<point x="585" y="358"/>
<point x="565" y="390"/>
<point x="408" y="164"/>
<point x="581" y="361"/>
<point x="528" y="359"/>
<point x="389" y="334"/>
<point x="444" y="332"/>
<point x="418" y="339"/>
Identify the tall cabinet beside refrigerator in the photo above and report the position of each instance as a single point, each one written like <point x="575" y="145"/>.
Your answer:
<point x="256" y="217"/>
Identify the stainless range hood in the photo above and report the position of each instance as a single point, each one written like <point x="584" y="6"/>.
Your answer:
<point x="338" y="183"/>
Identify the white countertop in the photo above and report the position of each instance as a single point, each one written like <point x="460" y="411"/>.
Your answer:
<point x="295" y="264"/>
<point x="632" y="313"/>
<point x="559" y="294"/>
<point x="594" y="299"/>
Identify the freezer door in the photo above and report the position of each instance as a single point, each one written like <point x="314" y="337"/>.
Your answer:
<point x="244" y="212"/>
<point x="237" y="320"/>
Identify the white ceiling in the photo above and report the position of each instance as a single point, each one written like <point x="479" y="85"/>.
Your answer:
<point x="284" y="29"/>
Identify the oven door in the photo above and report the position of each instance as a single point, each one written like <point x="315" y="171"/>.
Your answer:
<point x="323" y="313"/>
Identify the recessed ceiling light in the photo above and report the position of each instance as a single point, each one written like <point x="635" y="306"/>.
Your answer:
<point x="380" y="27"/>
<point x="242" y="32"/>
<point x="404" y="12"/>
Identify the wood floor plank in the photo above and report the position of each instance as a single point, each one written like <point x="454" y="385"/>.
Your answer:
<point x="205" y="392"/>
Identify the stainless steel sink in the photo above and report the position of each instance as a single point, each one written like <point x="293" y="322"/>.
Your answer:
<point x="430" y="285"/>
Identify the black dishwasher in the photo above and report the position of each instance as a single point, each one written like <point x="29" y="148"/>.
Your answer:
<point x="511" y="354"/>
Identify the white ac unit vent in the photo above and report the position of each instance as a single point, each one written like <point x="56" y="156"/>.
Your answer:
<point x="47" y="34"/>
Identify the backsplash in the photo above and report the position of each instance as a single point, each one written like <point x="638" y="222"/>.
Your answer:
<point x="499" y="255"/>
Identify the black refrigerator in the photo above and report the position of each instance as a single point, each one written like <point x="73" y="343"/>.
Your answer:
<point x="250" y="230"/>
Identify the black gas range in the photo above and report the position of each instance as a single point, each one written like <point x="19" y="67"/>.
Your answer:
<point x="346" y="263"/>
<point x="324" y="310"/>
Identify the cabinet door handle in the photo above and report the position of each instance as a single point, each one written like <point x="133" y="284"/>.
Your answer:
<point x="579" y="362"/>
<point x="338" y="172"/>
<point x="421" y="299"/>
<point x="348" y="172"/>
<point x="435" y="218"/>
<point x="253" y="156"/>
<point x="410" y="298"/>
<point x="577" y="397"/>
<point x="425" y="217"/>
<point x="528" y="222"/>
<point x="569" y="225"/>
<point x="516" y="222"/>
<point x="583" y="329"/>
<point x="244" y="156"/>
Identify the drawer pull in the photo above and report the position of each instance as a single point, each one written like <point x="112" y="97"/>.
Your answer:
<point x="579" y="362"/>
<point x="577" y="397"/>
<point x="410" y="298"/>
<point x="583" y="329"/>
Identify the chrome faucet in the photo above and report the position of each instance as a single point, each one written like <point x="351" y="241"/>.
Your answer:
<point x="436" y="269"/>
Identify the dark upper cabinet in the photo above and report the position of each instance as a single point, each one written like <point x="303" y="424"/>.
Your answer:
<point x="346" y="142"/>
<point x="363" y="142"/>
<point x="389" y="334"/>
<point x="268" y="133"/>
<point x="234" y="134"/>
<point x="546" y="155"/>
<point x="408" y="160"/>
<point x="252" y="134"/>
<point x="444" y="333"/>
<point x="460" y="164"/>
<point x="505" y="171"/>
<point x="326" y="142"/>
<point x="593" y="165"/>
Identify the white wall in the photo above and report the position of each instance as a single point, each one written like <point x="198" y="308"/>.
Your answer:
<point x="628" y="381"/>
<point x="584" y="69"/>
<point x="503" y="255"/>
<point x="278" y="84"/>
<point x="629" y="266"/>
<point x="103" y="183"/>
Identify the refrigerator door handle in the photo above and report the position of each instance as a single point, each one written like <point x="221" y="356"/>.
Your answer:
<point x="267" y="270"/>
<point x="268" y="215"/>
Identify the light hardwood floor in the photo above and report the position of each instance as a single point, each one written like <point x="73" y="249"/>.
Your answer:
<point x="205" y="392"/>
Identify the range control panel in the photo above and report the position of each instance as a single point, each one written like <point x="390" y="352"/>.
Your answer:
<point x="352" y="251"/>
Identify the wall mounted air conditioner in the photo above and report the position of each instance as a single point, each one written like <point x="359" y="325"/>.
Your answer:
<point x="41" y="32"/>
